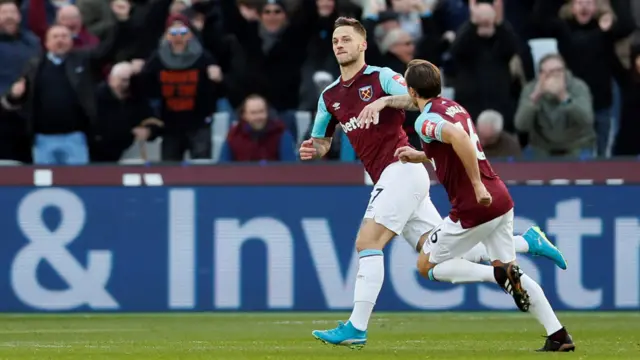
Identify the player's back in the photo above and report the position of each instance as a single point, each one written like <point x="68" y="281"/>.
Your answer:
<point x="450" y="170"/>
<point x="342" y="102"/>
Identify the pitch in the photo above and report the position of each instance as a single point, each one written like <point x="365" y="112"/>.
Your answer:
<point x="283" y="336"/>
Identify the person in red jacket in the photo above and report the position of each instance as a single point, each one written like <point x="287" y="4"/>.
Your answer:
<point x="257" y="137"/>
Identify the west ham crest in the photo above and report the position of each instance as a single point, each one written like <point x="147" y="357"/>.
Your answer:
<point x="366" y="92"/>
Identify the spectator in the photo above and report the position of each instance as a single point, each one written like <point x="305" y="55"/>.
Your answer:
<point x="256" y="137"/>
<point x="39" y="15"/>
<point x="586" y="35"/>
<point x="320" y="60"/>
<point x="409" y="16"/>
<point x="122" y="118"/>
<point x="627" y="143"/>
<point x="482" y="51"/>
<point x="96" y="16"/>
<point x="188" y="81"/>
<point x="556" y="111"/>
<point x="274" y="46"/>
<point x="17" y="46"/>
<point x="496" y="143"/>
<point x="69" y="16"/>
<point x="56" y="94"/>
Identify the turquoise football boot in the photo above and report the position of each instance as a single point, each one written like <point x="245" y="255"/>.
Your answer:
<point x="344" y="334"/>
<point x="539" y="245"/>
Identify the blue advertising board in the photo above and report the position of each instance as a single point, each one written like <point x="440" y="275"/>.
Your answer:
<point x="283" y="248"/>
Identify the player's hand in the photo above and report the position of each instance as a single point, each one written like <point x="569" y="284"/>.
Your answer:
<point x="407" y="154"/>
<point x="482" y="195"/>
<point x="371" y="114"/>
<point x="307" y="150"/>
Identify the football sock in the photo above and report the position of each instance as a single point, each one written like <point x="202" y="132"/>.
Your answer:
<point x="368" y="284"/>
<point x="458" y="271"/>
<point x="540" y="307"/>
<point x="521" y="244"/>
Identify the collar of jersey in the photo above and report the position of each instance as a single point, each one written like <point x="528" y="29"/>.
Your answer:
<point x="354" y="78"/>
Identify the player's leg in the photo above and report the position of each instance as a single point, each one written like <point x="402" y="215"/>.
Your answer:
<point x="533" y="241"/>
<point x="394" y="199"/>
<point x="441" y="256"/>
<point x="500" y="248"/>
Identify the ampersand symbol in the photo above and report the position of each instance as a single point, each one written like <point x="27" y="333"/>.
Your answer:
<point x="86" y="286"/>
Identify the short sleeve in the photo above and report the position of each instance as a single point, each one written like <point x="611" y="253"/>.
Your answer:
<point x="429" y="127"/>
<point x="392" y="83"/>
<point x="324" y="124"/>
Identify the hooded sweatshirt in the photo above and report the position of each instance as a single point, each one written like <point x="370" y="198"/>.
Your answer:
<point x="182" y="84"/>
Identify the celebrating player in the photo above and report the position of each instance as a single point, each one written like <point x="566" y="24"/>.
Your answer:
<point x="482" y="208"/>
<point x="399" y="202"/>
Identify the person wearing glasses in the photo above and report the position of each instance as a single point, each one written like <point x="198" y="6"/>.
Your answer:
<point x="187" y="81"/>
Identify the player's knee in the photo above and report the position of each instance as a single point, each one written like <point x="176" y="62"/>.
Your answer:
<point x="424" y="266"/>
<point x="498" y="263"/>
<point x="373" y="236"/>
<point x="421" y="242"/>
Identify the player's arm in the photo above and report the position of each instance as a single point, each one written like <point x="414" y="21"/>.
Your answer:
<point x="399" y="102"/>
<point x="321" y="135"/>
<point x="432" y="127"/>
<point x="395" y="85"/>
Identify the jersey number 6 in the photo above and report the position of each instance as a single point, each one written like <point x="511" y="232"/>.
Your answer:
<point x="475" y="140"/>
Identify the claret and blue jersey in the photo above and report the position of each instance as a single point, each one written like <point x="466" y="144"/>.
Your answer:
<point x="341" y="103"/>
<point x="449" y="168"/>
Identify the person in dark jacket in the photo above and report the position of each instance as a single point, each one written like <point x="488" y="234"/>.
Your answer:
<point x="482" y="51"/>
<point x="256" y="137"/>
<point x="275" y="49"/>
<point x="122" y="117"/>
<point x="56" y="94"/>
<point x="17" y="46"/>
<point x="188" y="81"/>
<point x="627" y="143"/>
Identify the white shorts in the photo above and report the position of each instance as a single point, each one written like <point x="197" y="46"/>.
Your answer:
<point x="400" y="202"/>
<point x="449" y="240"/>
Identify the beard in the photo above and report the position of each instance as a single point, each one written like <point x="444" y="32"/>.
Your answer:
<point x="351" y="59"/>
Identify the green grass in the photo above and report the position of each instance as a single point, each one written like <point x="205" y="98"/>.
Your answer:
<point x="287" y="336"/>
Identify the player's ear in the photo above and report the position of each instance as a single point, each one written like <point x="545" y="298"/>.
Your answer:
<point x="363" y="46"/>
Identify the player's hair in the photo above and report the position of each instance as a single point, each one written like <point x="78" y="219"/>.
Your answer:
<point x="355" y="24"/>
<point x="423" y="77"/>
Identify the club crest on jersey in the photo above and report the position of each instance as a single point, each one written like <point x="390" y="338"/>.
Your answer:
<point x="366" y="92"/>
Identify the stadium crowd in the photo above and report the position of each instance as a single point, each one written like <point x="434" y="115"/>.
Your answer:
<point x="88" y="80"/>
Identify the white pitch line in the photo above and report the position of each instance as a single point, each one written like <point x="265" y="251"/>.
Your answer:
<point x="67" y="331"/>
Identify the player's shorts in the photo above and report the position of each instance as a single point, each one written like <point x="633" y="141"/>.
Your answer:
<point x="449" y="240"/>
<point x="400" y="202"/>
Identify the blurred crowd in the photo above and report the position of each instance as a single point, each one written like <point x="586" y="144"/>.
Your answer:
<point x="87" y="80"/>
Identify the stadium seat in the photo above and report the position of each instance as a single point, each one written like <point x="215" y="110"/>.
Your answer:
<point x="303" y="121"/>
<point x="220" y="128"/>
<point x="132" y="161"/>
<point x="10" y="163"/>
<point x="540" y="48"/>
<point x="134" y="152"/>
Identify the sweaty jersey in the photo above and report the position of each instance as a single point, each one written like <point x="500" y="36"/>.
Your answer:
<point x="342" y="102"/>
<point x="450" y="170"/>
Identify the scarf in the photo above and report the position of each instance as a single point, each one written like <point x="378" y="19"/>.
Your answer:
<point x="181" y="61"/>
